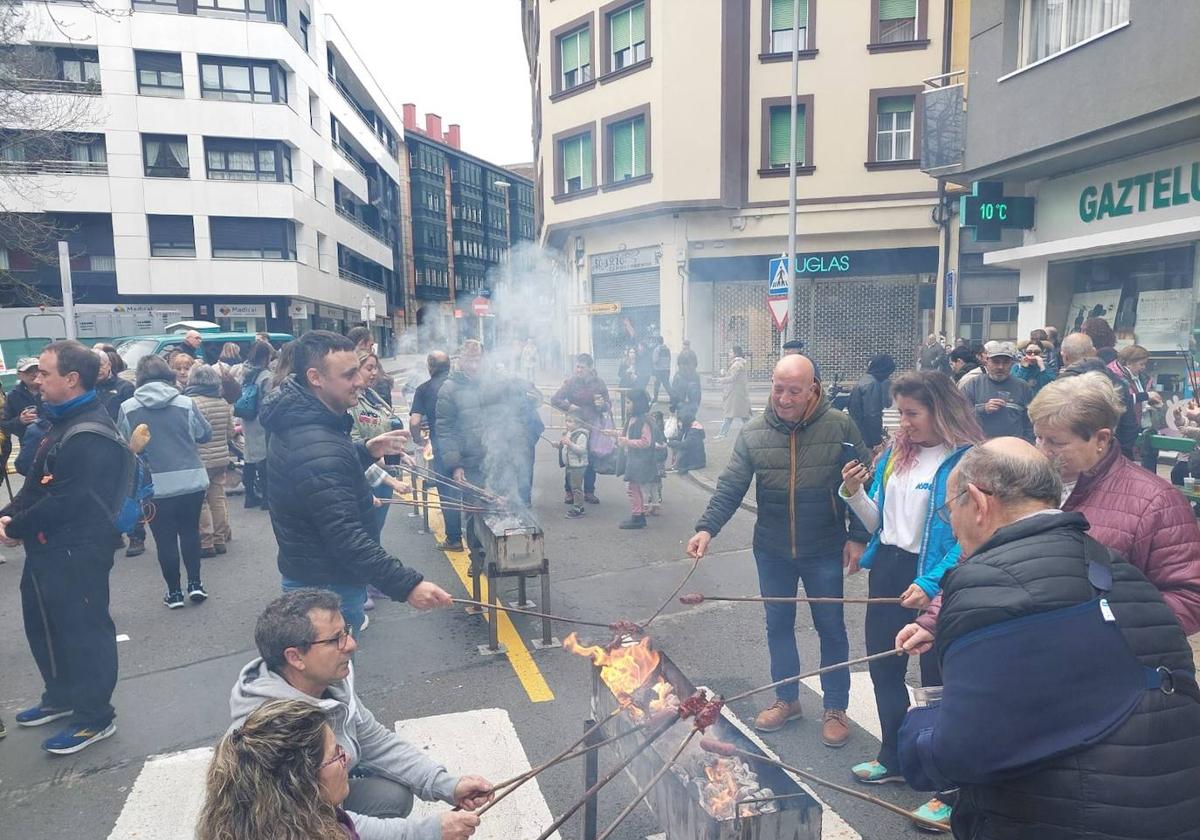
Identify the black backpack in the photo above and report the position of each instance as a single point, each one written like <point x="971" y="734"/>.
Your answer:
<point x="137" y="483"/>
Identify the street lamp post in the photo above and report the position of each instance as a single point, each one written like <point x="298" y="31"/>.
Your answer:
<point x="792" y="331"/>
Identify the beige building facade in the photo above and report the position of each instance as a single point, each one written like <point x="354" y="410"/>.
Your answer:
<point x="661" y="129"/>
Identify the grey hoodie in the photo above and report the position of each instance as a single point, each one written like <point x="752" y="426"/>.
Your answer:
<point x="366" y="741"/>
<point x="176" y="427"/>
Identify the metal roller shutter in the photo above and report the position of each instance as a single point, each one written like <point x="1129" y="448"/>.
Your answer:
<point x="632" y="289"/>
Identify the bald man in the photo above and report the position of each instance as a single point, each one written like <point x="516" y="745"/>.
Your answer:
<point x="1079" y="357"/>
<point x="795" y="451"/>
<point x="1069" y="688"/>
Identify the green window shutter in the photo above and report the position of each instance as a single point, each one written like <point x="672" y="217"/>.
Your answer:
<point x="570" y="53"/>
<point x="897" y="9"/>
<point x="585" y="144"/>
<point x="584" y="38"/>
<point x="618" y="30"/>
<point x="896" y="105"/>
<point x="570" y="157"/>
<point x="638" y="23"/>
<point x="622" y="151"/>
<point x="781" y="14"/>
<point x="639" y="146"/>
<point x="781" y="143"/>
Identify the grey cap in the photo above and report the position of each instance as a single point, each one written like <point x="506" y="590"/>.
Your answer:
<point x="26" y="363"/>
<point x="1001" y="348"/>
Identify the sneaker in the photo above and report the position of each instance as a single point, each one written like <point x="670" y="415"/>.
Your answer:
<point x="776" y="716"/>
<point x="575" y="512"/>
<point x="368" y="604"/>
<point x="633" y="523"/>
<point x="450" y="545"/>
<point x="77" y="737"/>
<point x="196" y="592"/>
<point x="569" y="498"/>
<point x="933" y="813"/>
<point x="3" y="731"/>
<point x="39" y="714"/>
<point x="136" y="547"/>
<point x="206" y="553"/>
<point x="835" y="728"/>
<point x="221" y="548"/>
<point x="874" y="773"/>
<point x="591" y="499"/>
<point x="173" y="599"/>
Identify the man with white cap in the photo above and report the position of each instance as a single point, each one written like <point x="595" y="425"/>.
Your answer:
<point x="21" y="404"/>
<point x="1000" y="399"/>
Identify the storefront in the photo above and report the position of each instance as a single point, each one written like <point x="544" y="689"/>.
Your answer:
<point x="332" y="318"/>
<point x="241" y="317"/>
<point x="852" y="305"/>
<point x="630" y="279"/>
<point x="1118" y="242"/>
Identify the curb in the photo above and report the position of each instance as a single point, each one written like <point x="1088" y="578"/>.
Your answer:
<point x="711" y="487"/>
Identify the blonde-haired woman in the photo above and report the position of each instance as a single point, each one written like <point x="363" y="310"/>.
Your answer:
<point x="281" y="775"/>
<point x="1130" y="510"/>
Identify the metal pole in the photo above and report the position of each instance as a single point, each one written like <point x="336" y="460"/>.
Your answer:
<point x="792" y="331"/>
<point x="64" y="272"/>
<point x="591" y="774"/>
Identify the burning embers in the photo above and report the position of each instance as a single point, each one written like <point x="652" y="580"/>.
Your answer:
<point x="626" y="668"/>
<point x="721" y="783"/>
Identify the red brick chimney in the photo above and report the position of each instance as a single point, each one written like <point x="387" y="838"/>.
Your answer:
<point x="410" y="115"/>
<point x="433" y="126"/>
<point x="453" y="136"/>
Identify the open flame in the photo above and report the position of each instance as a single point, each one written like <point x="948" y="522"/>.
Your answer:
<point x="719" y="793"/>
<point x="624" y="668"/>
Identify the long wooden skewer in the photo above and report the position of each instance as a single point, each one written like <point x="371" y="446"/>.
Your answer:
<point x="721" y="748"/>
<point x="662" y="771"/>
<point x="437" y="505"/>
<point x="678" y="589"/>
<point x="827" y="669"/>
<point x="534" y="613"/>
<point x="694" y="598"/>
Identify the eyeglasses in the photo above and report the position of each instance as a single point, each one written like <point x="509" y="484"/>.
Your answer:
<point x="943" y="512"/>
<point x="340" y="640"/>
<point x="339" y="757"/>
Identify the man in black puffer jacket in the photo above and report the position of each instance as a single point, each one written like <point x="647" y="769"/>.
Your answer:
<point x="321" y="504"/>
<point x="1063" y="752"/>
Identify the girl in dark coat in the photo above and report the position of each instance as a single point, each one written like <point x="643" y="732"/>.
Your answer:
<point x="641" y="466"/>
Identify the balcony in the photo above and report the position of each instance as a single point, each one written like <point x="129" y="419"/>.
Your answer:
<point x="86" y="88"/>
<point x="944" y="125"/>
<point x="427" y="292"/>
<point x="350" y="158"/>
<point x="347" y="274"/>
<point x="53" y="167"/>
<point x="363" y="226"/>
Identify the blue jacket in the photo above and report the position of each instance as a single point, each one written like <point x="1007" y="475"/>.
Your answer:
<point x="176" y="427"/>
<point x="939" y="550"/>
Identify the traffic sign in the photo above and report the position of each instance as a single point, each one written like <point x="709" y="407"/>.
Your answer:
<point x="481" y="306"/>
<point x="595" y="309"/>
<point x="779" y="311"/>
<point x="950" y="277"/>
<point x="780" y="278"/>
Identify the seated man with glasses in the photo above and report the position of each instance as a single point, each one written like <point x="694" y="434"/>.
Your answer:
<point x="304" y="654"/>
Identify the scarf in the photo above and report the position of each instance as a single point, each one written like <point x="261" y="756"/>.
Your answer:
<point x="56" y="411"/>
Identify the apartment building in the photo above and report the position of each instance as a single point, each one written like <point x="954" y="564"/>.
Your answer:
<point x="663" y="138"/>
<point x="466" y="215"/>
<point x="231" y="159"/>
<point x="1065" y="108"/>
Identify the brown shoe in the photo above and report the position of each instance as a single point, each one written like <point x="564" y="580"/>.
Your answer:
<point x="776" y="716"/>
<point x="835" y="728"/>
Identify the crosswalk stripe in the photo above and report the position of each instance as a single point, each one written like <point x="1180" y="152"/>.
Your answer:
<point x="166" y="798"/>
<point x="862" y="700"/>
<point x="483" y="743"/>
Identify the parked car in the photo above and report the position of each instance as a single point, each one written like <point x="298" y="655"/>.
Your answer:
<point x="134" y="348"/>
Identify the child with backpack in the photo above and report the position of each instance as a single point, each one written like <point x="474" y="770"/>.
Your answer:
<point x="654" y="489"/>
<point x="573" y="457"/>
<point x="641" y="462"/>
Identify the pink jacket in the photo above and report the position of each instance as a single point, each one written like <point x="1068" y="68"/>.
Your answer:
<point x="1146" y="519"/>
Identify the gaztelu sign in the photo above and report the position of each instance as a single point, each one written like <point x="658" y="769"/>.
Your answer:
<point x="1140" y="193"/>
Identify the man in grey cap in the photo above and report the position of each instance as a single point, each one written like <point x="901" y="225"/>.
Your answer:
<point x="21" y="404"/>
<point x="1000" y="399"/>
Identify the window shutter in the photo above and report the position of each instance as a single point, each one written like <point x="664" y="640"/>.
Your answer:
<point x="897" y="9"/>
<point x="639" y="147"/>
<point x="781" y="14"/>
<point x="583" y="36"/>
<point x="896" y="105"/>
<point x="781" y="141"/>
<point x="622" y="150"/>
<point x="170" y="62"/>
<point x="570" y="54"/>
<point x="172" y="229"/>
<point x="571" y="158"/>
<point x="618" y="30"/>
<point x="638" y="23"/>
<point x="801" y="134"/>
<point x="585" y="144"/>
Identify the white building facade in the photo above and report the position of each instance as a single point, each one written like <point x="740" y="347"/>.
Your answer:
<point x="238" y="154"/>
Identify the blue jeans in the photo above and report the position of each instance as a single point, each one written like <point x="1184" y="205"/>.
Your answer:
<point x="822" y="577"/>
<point x="353" y="598"/>
<point x="383" y="491"/>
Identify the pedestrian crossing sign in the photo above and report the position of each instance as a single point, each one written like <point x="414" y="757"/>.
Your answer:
<point x="780" y="277"/>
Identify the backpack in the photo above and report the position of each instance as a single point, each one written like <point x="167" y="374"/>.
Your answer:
<point x="137" y="483"/>
<point x="246" y="406"/>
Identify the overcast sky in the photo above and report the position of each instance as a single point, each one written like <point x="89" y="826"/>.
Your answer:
<point x="461" y="59"/>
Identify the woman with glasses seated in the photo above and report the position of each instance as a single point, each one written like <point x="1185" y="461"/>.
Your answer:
<point x="281" y="774"/>
<point x="912" y="545"/>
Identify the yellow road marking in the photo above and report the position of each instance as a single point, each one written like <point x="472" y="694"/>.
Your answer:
<point x="526" y="669"/>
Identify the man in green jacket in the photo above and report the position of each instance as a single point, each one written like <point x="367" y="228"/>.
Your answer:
<point x="795" y="451"/>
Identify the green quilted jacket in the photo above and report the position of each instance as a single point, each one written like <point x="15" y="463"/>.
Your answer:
<point x="797" y="470"/>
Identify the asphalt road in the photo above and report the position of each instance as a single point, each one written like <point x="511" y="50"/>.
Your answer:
<point x="177" y="666"/>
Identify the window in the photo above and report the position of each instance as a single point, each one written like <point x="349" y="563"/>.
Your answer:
<point x="318" y="177"/>
<point x="247" y="160"/>
<point x="86" y="150"/>
<point x="575" y="158"/>
<point x="576" y="53"/>
<point x="894" y="128"/>
<point x="627" y="150"/>
<point x="1002" y="323"/>
<point x="157" y="5"/>
<point x="171" y="236"/>
<point x="254" y="239"/>
<point x="1051" y="26"/>
<point x="970" y="324"/>
<point x="304" y="31"/>
<point x="322" y="252"/>
<point x="159" y="74"/>
<point x="237" y="80"/>
<point x="275" y="10"/>
<point x="314" y="112"/>
<point x="627" y="36"/>
<point x="165" y="155"/>
<point x="781" y="135"/>
<point x="897" y="21"/>
<point x="82" y="66"/>
<point x="782" y="24"/>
